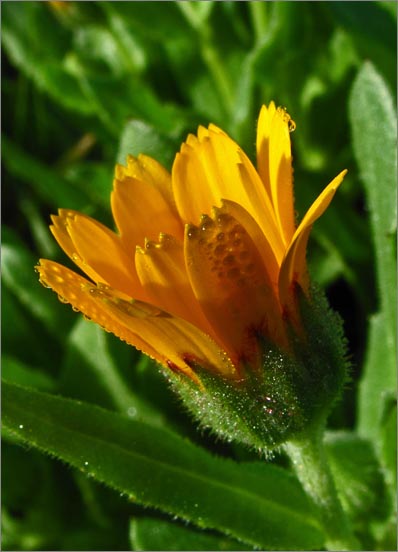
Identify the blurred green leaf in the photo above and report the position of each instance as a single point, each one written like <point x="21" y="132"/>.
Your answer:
<point x="359" y="477"/>
<point x="92" y="372"/>
<point x="158" y="534"/>
<point x="258" y="503"/>
<point x="94" y="178"/>
<point x="389" y="441"/>
<point x="19" y="277"/>
<point x="373" y="30"/>
<point x="374" y="129"/>
<point x="49" y="185"/>
<point x="15" y="371"/>
<point x="139" y="137"/>
<point x="28" y="37"/>
<point x="30" y="508"/>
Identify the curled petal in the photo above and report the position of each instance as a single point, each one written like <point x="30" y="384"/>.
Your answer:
<point x="294" y="267"/>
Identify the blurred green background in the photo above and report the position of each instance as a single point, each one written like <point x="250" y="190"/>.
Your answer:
<point x="85" y="83"/>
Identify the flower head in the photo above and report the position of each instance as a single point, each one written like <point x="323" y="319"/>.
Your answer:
<point x="206" y="261"/>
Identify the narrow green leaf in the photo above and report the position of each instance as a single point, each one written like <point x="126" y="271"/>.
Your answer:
<point x="51" y="187"/>
<point x="15" y="371"/>
<point x="374" y="130"/>
<point x="159" y="534"/>
<point x="257" y="503"/>
<point x="92" y="373"/>
<point x="20" y="278"/>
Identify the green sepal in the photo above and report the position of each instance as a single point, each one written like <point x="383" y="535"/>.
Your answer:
<point x="292" y="392"/>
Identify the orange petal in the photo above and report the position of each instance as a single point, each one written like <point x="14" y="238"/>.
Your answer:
<point x="148" y="170"/>
<point x="231" y="283"/>
<point x="212" y="167"/>
<point x="257" y="236"/>
<point x="274" y="161"/>
<point x="59" y="229"/>
<point x="162" y="272"/>
<point x="103" y="251"/>
<point x="294" y="268"/>
<point x="141" y="211"/>
<point x="169" y="340"/>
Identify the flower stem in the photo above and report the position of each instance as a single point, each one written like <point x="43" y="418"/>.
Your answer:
<point x="308" y="457"/>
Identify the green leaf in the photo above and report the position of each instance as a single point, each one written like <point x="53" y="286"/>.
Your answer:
<point x="257" y="503"/>
<point x="139" y="137"/>
<point x="389" y="441"/>
<point x="159" y="534"/>
<point x="373" y="30"/>
<point x="20" y="278"/>
<point x="92" y="372"/>
<point x="49" y="185"/>
<point x="15" y="371"/>
<point x="358" y="475"/>
<point x="28" y="38"/>
<point x="374" y="130"/>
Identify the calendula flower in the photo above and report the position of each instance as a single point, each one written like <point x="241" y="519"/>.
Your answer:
<point x="206" y="262"/>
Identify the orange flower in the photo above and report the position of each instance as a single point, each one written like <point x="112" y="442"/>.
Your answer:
<point x="206" y="260"/>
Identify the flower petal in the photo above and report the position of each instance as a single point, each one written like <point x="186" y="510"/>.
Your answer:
<point x="142" y="193"/>
<point x="59" y="229"/>
<point x="171" y="341"/>
<point x="162" y="272"/>
<point x="274" y="161"/>
<point x="231" y="283"/>
<point x="103" y="251"/>
<point x="220" y="170"/>
<point x="257" y="236"/>
<point x="294" y="268"/>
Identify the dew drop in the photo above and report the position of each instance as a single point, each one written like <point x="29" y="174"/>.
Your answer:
<point x="220" y="236"/>
<point x="132" y="412"/>
<point x="250" y="268"/>
<point x="86" y="463"/>
<point x="62" y="299"/>
<point x="233" y="273"/>
<point x="229" y="260"/>
<point x="20" y="426"/>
